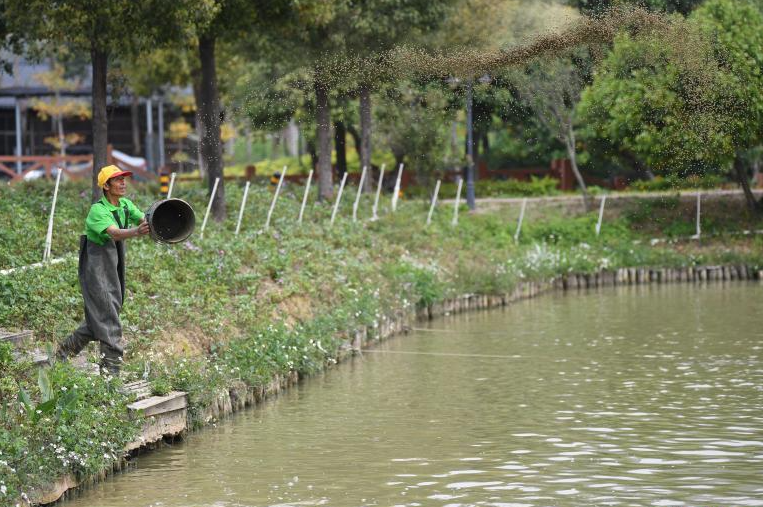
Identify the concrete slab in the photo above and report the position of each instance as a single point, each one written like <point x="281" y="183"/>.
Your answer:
<point x="155" y="405"/>
<point x="19" y="339"/>
<point x="141" y="389"/>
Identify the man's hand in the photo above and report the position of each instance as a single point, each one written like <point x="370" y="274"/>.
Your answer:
<point x="119" y="234"/>
<point x="143" y="228"/>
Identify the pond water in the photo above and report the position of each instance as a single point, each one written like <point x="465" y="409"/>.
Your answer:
<point x="626" y="396"/>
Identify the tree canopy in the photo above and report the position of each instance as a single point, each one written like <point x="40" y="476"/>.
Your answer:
<point x="684" y="103"/>
<point x="597" y="6"/>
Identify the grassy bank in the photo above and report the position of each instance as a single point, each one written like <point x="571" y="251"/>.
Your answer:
<point x="229" y="309"/>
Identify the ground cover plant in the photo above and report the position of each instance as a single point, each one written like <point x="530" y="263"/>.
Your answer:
<point x="230" y="309"/>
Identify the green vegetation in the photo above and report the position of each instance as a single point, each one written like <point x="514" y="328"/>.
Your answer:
<point x="56" y="421"/>
<point x="536" y="187"/>
<point x="207" y="314"/>
<point x="674" y="183"/>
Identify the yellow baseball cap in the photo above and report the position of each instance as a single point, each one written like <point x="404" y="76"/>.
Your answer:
<point x="110" y="171"/>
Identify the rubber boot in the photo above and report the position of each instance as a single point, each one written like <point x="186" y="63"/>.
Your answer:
<point x="68" y="348"/>
<point x="111" y="361"/>
<point x="74" y="343"/>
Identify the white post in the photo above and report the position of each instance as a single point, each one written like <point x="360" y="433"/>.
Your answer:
<point x="49" y="235"/>
<point x="243" y="205"/>
<point x="375" y="216"/>
<point x="458" y="201"/>
<point x="434" y="202"/>
<point x="357" y="196"/>
<point x="172" y="184"/>
<point x="601" y="214"/>
<point x="397" y="188"/>
<point x="209" y="207"/>
<point x="338" y="198"/>
<point x="19" y="148"/>
<point x="699" y="212"/>
<point x="275" y="198"/>
<point x="304" y="199"/>
<point x="521" y="218"/>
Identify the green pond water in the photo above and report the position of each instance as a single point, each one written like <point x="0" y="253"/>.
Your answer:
<point x="626" y="396"/>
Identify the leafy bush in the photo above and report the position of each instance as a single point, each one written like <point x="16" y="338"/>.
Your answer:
<point x="417" y="280"/>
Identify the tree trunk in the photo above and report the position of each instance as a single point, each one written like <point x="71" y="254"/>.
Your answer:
<point x="313" y="154"/>
<point x="61" y="135"/>
<point x="135" y="125"/>
<point x="100" y="124"/>
<point x="569" y="142"/>
<point x="323" y="124"/>
<point x="637" y="165"/>
<point x="199" y="126"/>
<point x="355" y="139"/>
<point x="365" y="134"/>
<point x="340" y="145"/>
<point x="59" y="121"/>
<point x="485" y="144"/>
<point x="454" y="140"/>
<point x="211" y="148"/>
<point x="741" y="173"/>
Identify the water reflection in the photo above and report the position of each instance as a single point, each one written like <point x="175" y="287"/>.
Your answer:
<point x="651" y="396"/>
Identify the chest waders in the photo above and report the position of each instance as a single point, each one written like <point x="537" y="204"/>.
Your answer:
<point x="102" y="280"/>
